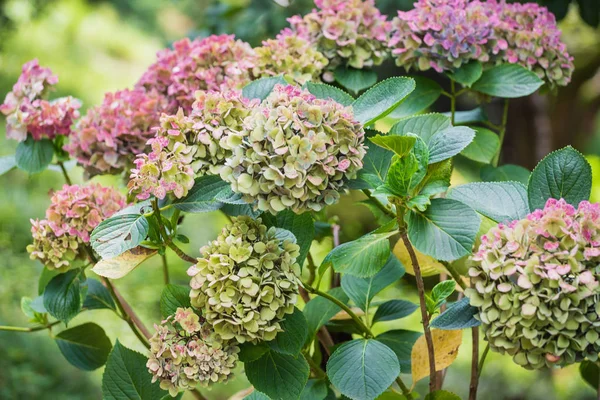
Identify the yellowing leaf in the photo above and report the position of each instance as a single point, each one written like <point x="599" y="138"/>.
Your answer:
<point x="119" y="266"/>
<point x="343" y="315"/>
<point x="445" y="346"/>
<point x="429" y="266"/>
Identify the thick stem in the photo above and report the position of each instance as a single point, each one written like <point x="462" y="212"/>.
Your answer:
<point x="28" y="329"/>
<point x="474" y="365"/>
<point x="316" y="368"/>
<point x="64" y="172"/>
<point x="455" y="275"/>
<point x="502" y="133"/>
<point x="482" y="360"/>
<point x="452" y="102"/>
<point x="424" y="314"/>
<point x="312" y="268"/>
<point x="165" y="268"/>
<point x="378" y="204"/>
<point x="166" y="238"/>
<point x="323" y="334"/>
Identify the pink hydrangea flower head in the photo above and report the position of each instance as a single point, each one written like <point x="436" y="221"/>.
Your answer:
<point x="347" y="32"/>
<point x="536" y="284"/>
<point x="109" y="136"/>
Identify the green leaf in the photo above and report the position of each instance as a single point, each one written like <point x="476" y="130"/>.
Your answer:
<point x="362" y="290"/>
<point x="362" y="257"/>
<point x="252" y="351"/>
<point x="449" y="142"/>
<point x="401" y="342"/>
<point x="118" y="234"/>
<point x="589" y="10"/>
<point x="121" y="265"/>
<point x="45" y="277"/>
<point x="173" y="297"/>
<point x="419" y="202"/>
<point x="394" y="309"/>
<point x="443" y="290"/>
<point x="400" y="145"/>
<point x="381" y="99"/>
<point x="98" y="296"/>
<point x="442" y="395"/>
<point x="377" y="161"/>
<point x="261" y="88"/>
<point x="499" y="201"/>
<point x="34" y="156"/>
<point x="279" y="376"/>
<point x="424" y="126"/>
<point x="446" y="230"/>
<point x="362" y="368"/>
<point x="425" y="94"/>
<point x="302" y="226"/>
<point x="400" y="177"/>
<point x="84" y="346"/>
<point x="323" y="91"/>
<point x="459" y="315"/>
<point x="590" y="372"/>
<point x="37" y="305"/>
<point x="484" y="147"/>
<point x="467" y="74"/>
<point x="126" y="377"/>
<point x="318" y="311"/>
<point x="562" y="174"/>
<point x="202" y="196"/>
<point x="256" y="395"/>
<point x="508" y="81"/>
<point x="26" y="307"/>
<point x="293" y="336"/>
<point x="62" y="297"/>
<point x="353" y="79"/>
<point x="315" y="389"/>
<point x="468" y="117"/>
<point x="506" y="172"/>
<point x="235" y="210"/>
<point x="7" y="163"/>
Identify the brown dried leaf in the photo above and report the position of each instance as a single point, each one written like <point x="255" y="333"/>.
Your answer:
<point x="429" y="266"/>
<point x="445" y="346"/>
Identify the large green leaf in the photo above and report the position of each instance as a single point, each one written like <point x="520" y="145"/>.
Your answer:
<point x="467" y="74"/>
<point x="256" y="395"/>
<point x="316" y="389"/>
<point x="7" y="163"/>
<point x="508" y="172"/>
<point x="446" y="230"/>
<point x="362" y="368"/>
<point x="362" y="290"/>
<point x="500" y="201"/>
<point x="260" y="88"/>
<point x="98" y="296"/>
<point x="34" y="155"/>
<point x="302" y="226"/>
<point x="84" y="346"/>
<point x="394" y="309"/>
<point x="401" y="342"/>
<point x="252" y="351"/>
<point x="293" y="336"/>
<point x="355" y="80"/>
<point x="118" y="234"/>
<point x="460" y="315"/>
<point x="424" y="126"/>
<point x="319" y="310"/>
<point x="63" y="296"/>
<point x="590" y="372"/>
<point x="173" y="297"/>
<point x="484" y="147"/>
<point x="279" y="376"/>
<point x="562" y="174"/>
<point x="400" y="145"/>
<point x="449" y="142"/>
<point x="425" y="94"/>
<point x="381" y="99"/>
<point x="323" y="91"/>
<point x="508" y="81"/>
<point x="362" y="257"/>
<point x="376" y="163"/>
<point x="202" y="196"/>
<point x="469" y="116"/>
<point x="126" y="377"/>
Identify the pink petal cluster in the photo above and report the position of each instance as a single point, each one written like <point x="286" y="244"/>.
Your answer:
<point x="73" y="214"/>
<point x="218" y="62"/>
<point x="27" y="111"/>
<point x="109" y="136"/>
<point x="347" y="32"/>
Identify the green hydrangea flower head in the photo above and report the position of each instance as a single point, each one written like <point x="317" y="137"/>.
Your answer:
<point x="246" y="281"/>
<point x="536" y="283"/>
<point x="185" y="352"/>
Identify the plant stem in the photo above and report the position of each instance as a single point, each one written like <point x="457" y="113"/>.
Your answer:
<point x="316" y="368"/>
<point x="28" y="329"/>
<point x="482" y="359"/>
<point x="474" y="365"/>
<point x="452" y="101"/>
<point x="378" y="204"/>
<point x="165" y="268"/>
<point x="403" y="387"/>
<point x="64" y="172"/>
<point x="423" y="306"/>
<point x="312" y="267"/>
<point x="502" y="133"/>
<point x="456" y="276"/>
<point x="166" y="238"/>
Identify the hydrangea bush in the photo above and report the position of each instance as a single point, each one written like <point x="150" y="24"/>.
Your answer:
<point x="215" y="125"/>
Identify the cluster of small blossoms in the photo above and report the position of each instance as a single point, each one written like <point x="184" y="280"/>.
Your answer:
<point x="110" y="135"/>
<point x="536" y="284"/>
<point x="27" y="111"/>
<point x="347" y="32"/>
<point x="291" y="55"/>
<point x="73" y="214"/>
<point x="298" y="152"/>
<point x="246" y="281"/>
<point x="217" y="62"/>
<point x="185" y="353"/>
<point x="189" y="146"/>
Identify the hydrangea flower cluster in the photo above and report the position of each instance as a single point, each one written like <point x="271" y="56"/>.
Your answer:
<point x="298" y="152"/>
<point x="217" y="62"/>
<point x="27" y="111"/>
<point x="536" y="284"/>
<point x="185" y="352"/>
<point x="445" y="34"/>
<point x="73" y="214"/>
<point x="110" y="135"/>
<point x="347" y="32"/>
<point x="291" y="55"/>
<point x="190" y="146"/>
<point x="246" y="281"/>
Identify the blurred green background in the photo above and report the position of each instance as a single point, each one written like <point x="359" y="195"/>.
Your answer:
<point x="99" y="46"/>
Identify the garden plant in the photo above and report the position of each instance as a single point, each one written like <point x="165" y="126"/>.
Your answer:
<point x="272" y="137"/>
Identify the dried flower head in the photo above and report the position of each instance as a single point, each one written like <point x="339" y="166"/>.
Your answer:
<point x="217" y="62"/>
<point x="347" y="32"/>
<point x="298" y="152"/>
<point x="246" y="281"/>
<point x="184" y="353"/>
<point x="109" y="136"/>
<point x="536" y="285"/>
<point x="73" y="214"/>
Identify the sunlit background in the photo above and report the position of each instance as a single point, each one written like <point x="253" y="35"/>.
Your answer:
<point x="99" y="46"/>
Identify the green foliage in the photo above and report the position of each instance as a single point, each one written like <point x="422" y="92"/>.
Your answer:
<point x="293" y="337"/>
<point x="320" y="310"/>
<point x="260" y="88"/>
<point x="202" y="197"/>
<point x="425" y="94"/>
<point x="484" y="147"/>
<point x="98" y="296"/>
<point x="401" y="342"/>
<point x="508" y="172"/>
<point x="400" y="145"/>
<point x="324" y="91"/>
<point x="394" y="309"/>
<point x="467" y="74"/>
<point x="301" y="226"/>
<point x="590" y="372"/>
<point x="460" y="315"/>
<point x="34" y="156"/>
<point x="441" y="395"/>
<point x="279" y="376"/>
<point x="118" y="234"/>
<point x="382" y="99"/>
<point x="85" y="346"/>
<point x="355" y="80"/>
<point x="508" y="81"/>
<point x="449" y="142"/>
<point x="7" y="163"/>
<point x="173" y="297"/>
<point x="63" y="296"/>
<point x="316" y="389"/>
